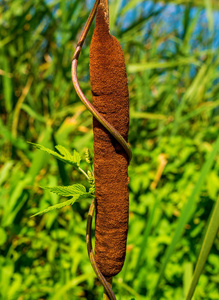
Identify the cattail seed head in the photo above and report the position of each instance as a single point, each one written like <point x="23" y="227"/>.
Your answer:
<point x="110" y="97"/>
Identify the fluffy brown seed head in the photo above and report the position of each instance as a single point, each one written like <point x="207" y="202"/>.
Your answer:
<point x="110" y="97"/>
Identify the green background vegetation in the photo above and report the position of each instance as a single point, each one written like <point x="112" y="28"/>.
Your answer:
<point x="174" y="173"/>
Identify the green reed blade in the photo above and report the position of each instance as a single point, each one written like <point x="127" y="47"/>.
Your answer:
<point x="205" y="249"/>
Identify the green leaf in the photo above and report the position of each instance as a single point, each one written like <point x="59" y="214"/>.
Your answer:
<point x="210" y="15"/>
<point x="31" y="112"/>
<point x="115" y="8"/>
<point x="139" y="67"/>
<point x="75" y="158"/>
<point x="187" y="276"/>
<point x="75" y="191"/>
<point x="3" y="236"/>
<point x="57" y="206"/>
<point x="205" y="249"/>
<point x="146" y="233"/>
<point x="65" y="203"/>
<point x="130" y="5"/>
<point x="68" y="191"/>
<point x="7" y="82"/>
<point x="64" y="155"/>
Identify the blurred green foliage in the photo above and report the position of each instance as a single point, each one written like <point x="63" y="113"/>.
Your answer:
<point x="174" y="114"/>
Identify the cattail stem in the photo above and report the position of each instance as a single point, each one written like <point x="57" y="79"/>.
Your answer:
<point x="105" y="294"/>
<point x="106" y="5"/>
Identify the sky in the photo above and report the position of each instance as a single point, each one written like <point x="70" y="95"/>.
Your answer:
<point x="171" y="18"/>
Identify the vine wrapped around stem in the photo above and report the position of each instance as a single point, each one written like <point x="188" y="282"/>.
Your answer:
<point x="109" y="128"/>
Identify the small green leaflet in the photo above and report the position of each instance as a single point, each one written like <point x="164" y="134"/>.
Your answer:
<point x="68" y="191"/>
<point x="57" y="206"/>
<point x="64" y="155"/>
<point x="76" y="191"/>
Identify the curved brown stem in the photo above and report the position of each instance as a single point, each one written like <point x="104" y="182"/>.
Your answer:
<point x="105" y="294"/>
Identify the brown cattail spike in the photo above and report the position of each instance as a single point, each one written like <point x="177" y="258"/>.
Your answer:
<point x="110" y="97"/>
<point x="105" y="3"/>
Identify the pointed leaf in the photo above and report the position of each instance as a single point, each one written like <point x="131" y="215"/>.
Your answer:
<point x="57" y="206"/>
<point x="76" y="157"/>
<point x="64" y="152"/>
<point x="205" y="249"/>
<point x="65" y="155"/>
<point x="67" y="191"/>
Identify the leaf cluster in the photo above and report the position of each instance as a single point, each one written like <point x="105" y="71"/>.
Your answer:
<point x="75" y="191"/>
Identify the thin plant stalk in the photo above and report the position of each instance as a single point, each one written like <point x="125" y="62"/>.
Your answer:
<point x="106" y="5"/>
<point x="206" y="247"/>
<point x="105" y="294"/>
